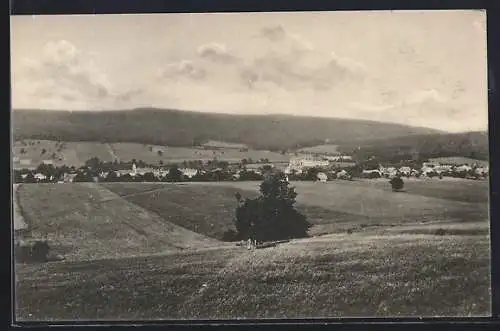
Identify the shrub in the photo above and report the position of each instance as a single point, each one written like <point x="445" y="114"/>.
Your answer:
<point x="38" y="252"/>
<point x="440" y="232"/>
<point x="397" y="184"/>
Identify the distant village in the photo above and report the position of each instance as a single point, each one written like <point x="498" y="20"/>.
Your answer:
<point x="310" y="167"/>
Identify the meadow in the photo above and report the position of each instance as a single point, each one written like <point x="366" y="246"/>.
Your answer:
<point x="151" y="251"/>
<point x="34" y="152"/>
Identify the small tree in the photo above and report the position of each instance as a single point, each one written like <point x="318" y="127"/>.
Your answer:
<point x="397" y="184"/>
<point x="272" y="215"/>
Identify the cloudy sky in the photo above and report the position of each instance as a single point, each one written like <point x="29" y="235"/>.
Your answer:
<point x="417" y="68"/>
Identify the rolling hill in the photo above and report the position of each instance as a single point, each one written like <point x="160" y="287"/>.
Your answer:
<point x="469" y="144"/>
<point x="185" y="128"/>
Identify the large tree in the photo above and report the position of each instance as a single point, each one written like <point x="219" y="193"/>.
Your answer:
<point x="272" y="215"/>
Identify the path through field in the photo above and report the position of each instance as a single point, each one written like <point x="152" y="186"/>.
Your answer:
<point x="19" y="221"/>
<point x="112" y="152"/>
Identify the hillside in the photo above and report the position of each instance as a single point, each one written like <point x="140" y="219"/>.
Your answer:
<point x="183" y="128"/>
<point x="469" y="144"/>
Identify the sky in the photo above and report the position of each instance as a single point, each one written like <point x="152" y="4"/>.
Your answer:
<point x="420" y="68"/>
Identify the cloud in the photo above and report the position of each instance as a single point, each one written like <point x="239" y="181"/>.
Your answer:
<point x="63" y="75"/>
<point x="216" y="52"/>
<point x="183" y="70"/>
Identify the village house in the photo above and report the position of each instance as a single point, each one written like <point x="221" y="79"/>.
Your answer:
<point x="300" y="164"/>
<point x="405" y="171"/>
<point x="189" y="172"/>
<point x="322" y="177"/>
<point x="40" y="177"/>
<point x="342" y="174"/>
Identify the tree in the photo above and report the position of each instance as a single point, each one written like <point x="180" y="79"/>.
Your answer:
<point x="174" y="174"/>
<point x="272" y="215"/>
<point x="397" y="184"/>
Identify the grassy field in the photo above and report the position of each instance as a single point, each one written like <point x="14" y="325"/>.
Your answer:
<point x="320" y="149"/>
<point x="76" y="153"/>
<point x="420" y="252"/>
<point x="85" y="222"/>
<point x="340" y="276"/>
<point x="459" y="160"/>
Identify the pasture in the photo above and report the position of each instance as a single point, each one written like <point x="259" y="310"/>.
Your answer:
<point x="320" y="149"/>
<point x="151" y="251"/>
<point x="76" y="153"/>
<point x="458" y="160"/>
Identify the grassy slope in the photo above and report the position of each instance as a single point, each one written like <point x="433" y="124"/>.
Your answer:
<point x="376" y="272"/>
<point x="85" y="221"/>
<point x="76" y="153"/>
<point x="332" y="207"/>
<point x="468" y="144"/>
<point x="357" y="275"/>
<point x="180" y="128"/>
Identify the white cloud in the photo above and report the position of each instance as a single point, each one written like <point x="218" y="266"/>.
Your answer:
<point x="216" y="52"/>
<point x="62" y="76"/>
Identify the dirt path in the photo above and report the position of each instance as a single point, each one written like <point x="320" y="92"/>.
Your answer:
<point x="19" y="221"/>
<point x="112" y="152"/>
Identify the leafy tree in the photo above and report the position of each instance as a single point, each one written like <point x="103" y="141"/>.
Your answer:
<point x="174" y="174"/>
<point x="30" y="178"/>
<point x="83" y="177"/>
<point x="272" y="215"/>
<point x="149" y="177"/>
<point x="397" y="184"/>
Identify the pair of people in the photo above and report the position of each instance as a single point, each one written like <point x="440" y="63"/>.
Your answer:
<point x="251" y="243"/>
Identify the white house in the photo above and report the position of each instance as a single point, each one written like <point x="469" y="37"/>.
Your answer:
<point x="463" y="168"/>
<point x="301" y="163"/>
<point x="342" y="174"/>
<point x="406" y="171"/>
<point x="189" y="172"/>
<point x="373" y="171"/>
<point x="40" y="176"/>
<point x="322" y="177"/>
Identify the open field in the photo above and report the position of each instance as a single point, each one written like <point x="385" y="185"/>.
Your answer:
<point x="76" y="153"/>
<point x="320" y="149"/>
<point x="339" y="276"/>
<point x="459" y="161"/>
<point x="394" y="263"/>
<point x="85" y="221"/>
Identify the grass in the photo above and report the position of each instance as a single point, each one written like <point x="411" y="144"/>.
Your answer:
<point x="340" y="276"/>
<point x="208" y="208"/>
<point x="320" y="149"/>
<point x="459" y="160"/>
<point x="85" y="221"/>
<point x="132" y="253"/>
<point x="202" y="209"/>
<point x="76" y="153"/>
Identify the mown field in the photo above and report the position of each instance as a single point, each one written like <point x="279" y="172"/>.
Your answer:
<point x="76" y="153"/>
<point x="150" y="251"/>
<point x="331" y="207"/>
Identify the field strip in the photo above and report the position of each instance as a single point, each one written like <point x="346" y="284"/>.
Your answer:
<point x="112" y="152"/>
<point x="19" y="221"/>
<point x="156" y="221"/>
<point x="116" y="196"/>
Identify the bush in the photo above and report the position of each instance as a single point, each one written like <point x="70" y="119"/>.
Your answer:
<point x="440" y="232"/>
<point x="397" y="184"/>
<point x="272" y="215"/>
<point x="38" y="252"/>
